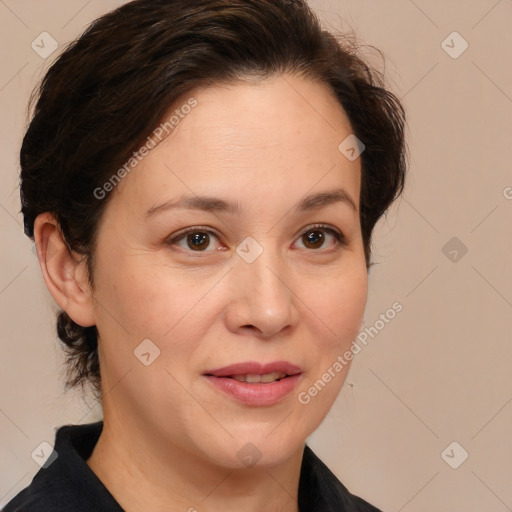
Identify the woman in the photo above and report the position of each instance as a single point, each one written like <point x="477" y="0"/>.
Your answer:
<point x="202" y="179"/>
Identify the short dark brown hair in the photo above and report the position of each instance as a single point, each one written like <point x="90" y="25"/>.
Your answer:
<point x="111" y="87"/>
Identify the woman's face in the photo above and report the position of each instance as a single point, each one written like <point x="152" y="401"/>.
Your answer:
<point x="255" y="282"/>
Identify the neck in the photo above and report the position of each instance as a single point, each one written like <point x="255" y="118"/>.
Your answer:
<point x="143" y="472"/>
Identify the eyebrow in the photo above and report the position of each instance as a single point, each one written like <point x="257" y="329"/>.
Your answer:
<point x="218" y="205"/>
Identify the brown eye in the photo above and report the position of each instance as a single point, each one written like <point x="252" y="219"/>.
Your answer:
<point x="314" y="238"/>
<point x="194" y="239"/>
<point x="198" y="240"/>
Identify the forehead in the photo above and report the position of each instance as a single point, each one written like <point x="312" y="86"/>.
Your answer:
<point x="275" y="139"/>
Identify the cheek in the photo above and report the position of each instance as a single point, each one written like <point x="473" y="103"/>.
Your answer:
<point x="139" y="298"/>
<point x="339" y="306"/>
<point x="137" y="302"/>
<point x="147" y="301"/>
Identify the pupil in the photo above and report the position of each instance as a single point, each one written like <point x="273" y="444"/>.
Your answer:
<point x="199" y="237"/>
<point x="315" y="235"/>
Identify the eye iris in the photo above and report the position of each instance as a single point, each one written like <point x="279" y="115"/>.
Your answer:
<point x="202" y="238"/>
<point x="199" y="240"/>
<point x="315" y="237"/>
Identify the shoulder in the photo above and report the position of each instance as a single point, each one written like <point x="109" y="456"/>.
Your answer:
<point x="320" y="489"/>
<point x="53" y="498"/>
<point x="65" y="482"/>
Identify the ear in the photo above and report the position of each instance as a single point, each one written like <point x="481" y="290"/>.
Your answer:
<point x="64" y="271"/>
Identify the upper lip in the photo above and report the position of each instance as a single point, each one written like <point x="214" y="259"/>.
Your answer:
<point x="255" y="368"/>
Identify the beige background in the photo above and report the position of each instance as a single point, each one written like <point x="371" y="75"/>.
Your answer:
<point x="440" y="370"/>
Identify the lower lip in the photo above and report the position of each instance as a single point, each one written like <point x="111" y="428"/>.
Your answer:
<point x="256" y="393"/>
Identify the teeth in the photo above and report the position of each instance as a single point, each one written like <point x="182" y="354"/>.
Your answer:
<point x="267" y="377"/>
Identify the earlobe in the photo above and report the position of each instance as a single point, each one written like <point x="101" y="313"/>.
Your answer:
<point x="64" y="272"/>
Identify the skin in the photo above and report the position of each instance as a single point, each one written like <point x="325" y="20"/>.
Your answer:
<point x="170" y="439"/>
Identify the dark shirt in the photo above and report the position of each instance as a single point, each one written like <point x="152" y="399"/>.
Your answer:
<point x="68" y="484"/>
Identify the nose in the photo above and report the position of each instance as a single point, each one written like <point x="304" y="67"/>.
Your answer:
<point x="263" y="298"/>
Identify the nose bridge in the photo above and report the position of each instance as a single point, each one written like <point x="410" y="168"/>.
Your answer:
<point x="265" y="276"/>
<point x="266" y="296"/>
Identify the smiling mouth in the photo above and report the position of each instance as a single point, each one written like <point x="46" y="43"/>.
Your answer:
<point x="255" y="384"/>
<point x="256" y="379"/>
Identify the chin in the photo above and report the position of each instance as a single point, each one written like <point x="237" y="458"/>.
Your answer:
<point x="252" y="448"/>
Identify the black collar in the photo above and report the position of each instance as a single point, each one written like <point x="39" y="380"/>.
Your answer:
<point x="68" y="483"/>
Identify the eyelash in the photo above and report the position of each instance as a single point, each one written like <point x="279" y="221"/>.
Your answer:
<point x="339" y="237"/>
